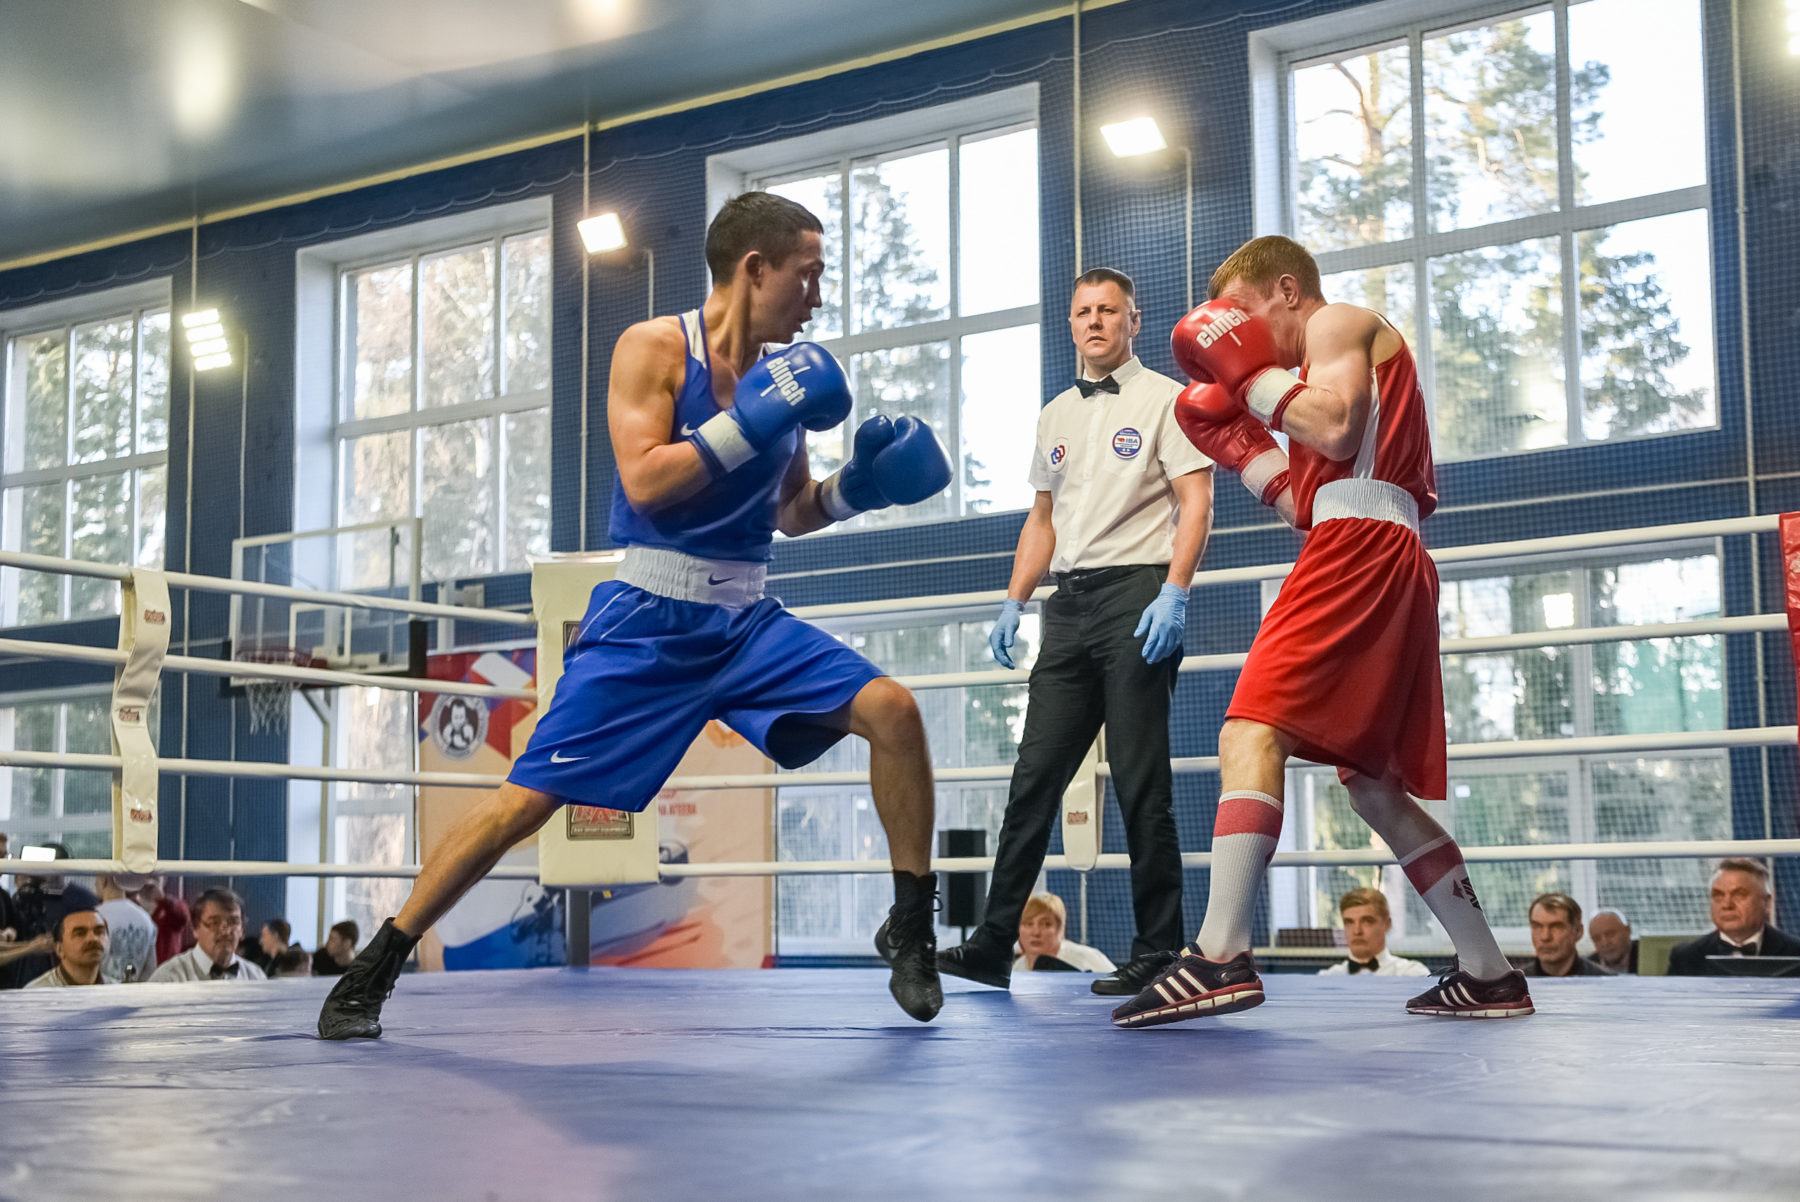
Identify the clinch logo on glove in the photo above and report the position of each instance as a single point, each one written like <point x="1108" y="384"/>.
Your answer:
<point x="790" y="388"/>
<point x="1220" y="325"/>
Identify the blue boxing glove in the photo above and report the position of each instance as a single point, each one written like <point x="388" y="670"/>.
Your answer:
<point x="800" y="386"/>
<point x="1005" y="631"/>
<point x="852" y="488"/>
<point x="901" y="464"/>
<point x="1166" y="620"/>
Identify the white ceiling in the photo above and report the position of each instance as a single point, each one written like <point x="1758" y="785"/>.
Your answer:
<point x="119" y="115"/>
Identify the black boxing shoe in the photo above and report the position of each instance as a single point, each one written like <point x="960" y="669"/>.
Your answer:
<point x="352" y="1009"/>
<point x="1192" y="987"/>
<point x="908" y="942"/>
<point x="980" y="962"/>
<point x="1132" y="976"/>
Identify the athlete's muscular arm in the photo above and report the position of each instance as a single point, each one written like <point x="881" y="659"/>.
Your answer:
<point x="1194" y="494"/>
<point x="1037" y="545"/>
<point x="1328" y="415"/>
<point x="800" y="512"/>
<point x="647" y="371"/>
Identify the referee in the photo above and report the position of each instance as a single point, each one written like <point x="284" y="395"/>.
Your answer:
<point x="1124" y="505"/>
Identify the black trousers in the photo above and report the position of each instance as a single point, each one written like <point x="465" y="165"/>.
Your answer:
<point x="1089" y="671"/>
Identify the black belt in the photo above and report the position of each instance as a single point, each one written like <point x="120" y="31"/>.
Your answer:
<point x="1083" y="580"/>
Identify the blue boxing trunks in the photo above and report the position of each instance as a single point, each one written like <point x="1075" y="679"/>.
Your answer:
<point x="669" y="644"/>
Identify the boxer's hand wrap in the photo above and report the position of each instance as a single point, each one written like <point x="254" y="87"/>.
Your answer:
<point x="901" y="464"/>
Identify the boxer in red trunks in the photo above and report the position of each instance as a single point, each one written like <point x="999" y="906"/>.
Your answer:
<point x="1344" y="669"/>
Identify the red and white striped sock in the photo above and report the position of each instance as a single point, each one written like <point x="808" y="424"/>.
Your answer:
<point x="1437" y="871"/>
<point x="1244" y="835"/>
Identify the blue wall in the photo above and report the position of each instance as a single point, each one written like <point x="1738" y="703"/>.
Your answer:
<point x="1185" y="58"/>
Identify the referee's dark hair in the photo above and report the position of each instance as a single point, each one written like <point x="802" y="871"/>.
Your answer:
<point x="756" y="221"/>
<point x="1106" y="275"/>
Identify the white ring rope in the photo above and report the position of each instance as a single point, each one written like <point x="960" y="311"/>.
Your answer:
<point x="1610" y="745"/>
<point x="1334" y="858"/>
<point x="260" y="671"/>
<point x="256" y="588"/>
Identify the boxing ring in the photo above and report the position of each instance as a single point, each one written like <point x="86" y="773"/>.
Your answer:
<point x="784" y="1083"/>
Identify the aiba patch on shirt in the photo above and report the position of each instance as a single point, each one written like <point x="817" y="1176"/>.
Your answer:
<point x="1127" y="443"/>
<point x="1059" y="455"/>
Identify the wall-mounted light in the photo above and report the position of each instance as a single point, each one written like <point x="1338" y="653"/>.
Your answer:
<point x="602" y="233"/>
<point x="206" y="340"/>
<point x="1793" y="26"/>
<point x="1141" y="136"/>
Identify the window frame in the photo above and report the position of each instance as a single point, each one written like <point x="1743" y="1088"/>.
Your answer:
<point x="949" y="793"/>
<point x="20" y="827"/>
<point x="1277" y="53"/>
<point x="843" y="150"/>
<point x="1303" y="903"/>
<point x="342" y="430"/>
<point x="136" y="302"/>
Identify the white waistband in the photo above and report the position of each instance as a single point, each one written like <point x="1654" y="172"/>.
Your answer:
<point x="1377" y="499"/>
<point x="680" y="577"/>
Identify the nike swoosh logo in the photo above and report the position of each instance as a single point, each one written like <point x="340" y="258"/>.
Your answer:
<point x="557" y="757"/>
<point x="688" y="431"/>
<point x="720" y="579"/>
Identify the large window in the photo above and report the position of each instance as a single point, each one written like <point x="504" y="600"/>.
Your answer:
<point x="931" y="283"/>
<point x="443" y="399"/>
<point x="86" y="453"/>
<point x="837" y="915"/>
<point x="1628" y="687"/>
<point x="1535" y="184"/>
<point x="49" y="805"/>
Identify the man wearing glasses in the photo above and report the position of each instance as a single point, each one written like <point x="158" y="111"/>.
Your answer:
<point x="218" y="926"/>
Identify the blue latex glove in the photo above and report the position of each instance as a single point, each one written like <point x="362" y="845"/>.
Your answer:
<point x="1166" y="620"/>
<point x="1006" y="629"/>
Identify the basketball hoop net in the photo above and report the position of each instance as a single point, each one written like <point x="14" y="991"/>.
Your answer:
<point x="271" y="701"/>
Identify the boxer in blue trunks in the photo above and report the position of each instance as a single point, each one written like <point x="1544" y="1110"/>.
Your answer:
<point x="708" y="435"/>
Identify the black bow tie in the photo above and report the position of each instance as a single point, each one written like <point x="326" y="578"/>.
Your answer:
<point x="221" y="971"/>
<point x="1357" y="966"/>
<point x="1090" y="387"/>
<point x="1746" y="949"/>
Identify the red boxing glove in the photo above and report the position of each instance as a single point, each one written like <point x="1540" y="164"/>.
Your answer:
<point x="1220" y="343"/>
<point x="1235" y="441"/>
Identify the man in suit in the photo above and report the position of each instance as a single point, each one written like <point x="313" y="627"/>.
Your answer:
<point x="1740" y="914"/>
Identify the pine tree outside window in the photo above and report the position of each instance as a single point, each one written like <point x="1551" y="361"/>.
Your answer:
<point x="1535" y="184"/>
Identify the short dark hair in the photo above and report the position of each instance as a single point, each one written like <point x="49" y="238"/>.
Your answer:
<point x="282" y="930"/>
<point x="1107" y="275"/>
<point x="758" y="221"/>
<point x="225" y="899"/>
<point x="1558" y="903"/>
<point x="56" y="929"/>
<point x="291" y="962"/>
<point x="348" y="930"/>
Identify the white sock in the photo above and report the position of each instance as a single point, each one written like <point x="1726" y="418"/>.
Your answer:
<point x="1437" y="871"/>
<point x="1244" y="835"/>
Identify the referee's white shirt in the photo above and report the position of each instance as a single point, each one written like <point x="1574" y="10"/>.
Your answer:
<point x="1106" y="462"/>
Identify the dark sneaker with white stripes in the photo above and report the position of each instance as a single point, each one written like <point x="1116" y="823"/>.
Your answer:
<point x="1459" y="995"/>
<point x="1194" y="987"/>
